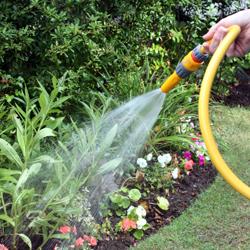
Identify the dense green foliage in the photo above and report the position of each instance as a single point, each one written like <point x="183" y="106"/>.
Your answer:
<point x="118" y="46"/>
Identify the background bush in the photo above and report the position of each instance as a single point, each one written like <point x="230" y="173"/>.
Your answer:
<point x="117" y="46"/>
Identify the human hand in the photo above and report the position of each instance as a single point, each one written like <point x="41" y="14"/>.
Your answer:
<point x="241" y="45"/>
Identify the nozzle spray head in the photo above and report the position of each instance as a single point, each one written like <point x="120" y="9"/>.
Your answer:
<point x="190" y="63"/>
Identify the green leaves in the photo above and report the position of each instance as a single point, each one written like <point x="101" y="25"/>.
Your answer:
<point x="8" y="151"/>
<point x="22" y="201"/>
<point x="120" y="200"/>
<point x="109" y="138"/>
<point x="7" y="219"/>
<point x="26" y="240"/>
<point x="162" y="203"/>
<point x="45" y="132"/>
<point x="138" y="234"/>
<point x="109" y="166"/>
<point x="44" y="101"/>
<point x="134" y="194"/>
<point x="33" y="170"/>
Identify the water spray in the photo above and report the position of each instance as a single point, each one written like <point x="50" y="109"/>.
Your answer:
<point x="190" y="63"/>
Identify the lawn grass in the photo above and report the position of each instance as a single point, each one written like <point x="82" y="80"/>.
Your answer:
<point x="220" y="217"/>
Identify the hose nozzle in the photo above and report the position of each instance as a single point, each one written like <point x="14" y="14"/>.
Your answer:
<point x="190" y="63"/>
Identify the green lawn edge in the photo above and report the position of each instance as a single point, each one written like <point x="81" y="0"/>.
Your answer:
<point x="220" y="217"/>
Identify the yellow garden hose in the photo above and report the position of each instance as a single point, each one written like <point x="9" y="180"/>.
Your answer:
<point x="204" y="119"/>
<point x="189" y="64"/>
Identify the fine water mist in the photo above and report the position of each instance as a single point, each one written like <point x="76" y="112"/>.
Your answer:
<point x="103" y="150"/>
<point x="133" y="122"/>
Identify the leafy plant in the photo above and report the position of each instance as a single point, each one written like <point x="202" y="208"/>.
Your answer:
<point x="157" y="178"/>
<point x="134" y="194"/>
<point x="19" y="198"/>
<point x="104" y="45"/>
<point x="162" y="203"/>
<point x="27" y="208"/>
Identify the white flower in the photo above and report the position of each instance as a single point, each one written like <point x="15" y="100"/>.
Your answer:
<point x="192" y="147"/>
<point x="191" y="124"/>
<point x="141" y="222"/>
<point x="207" y="158"/>
<point x="149" y="157"/>
<point x="199" y="153"/>
<point x="142" y="162"/>
<point x="176" y="173"/>
<point x="140" y="211"/>
<point x="130" y="209"/>
<point x="204" y="146"/>
<point x="164" y="159"/>
<point x="189" y="99"/>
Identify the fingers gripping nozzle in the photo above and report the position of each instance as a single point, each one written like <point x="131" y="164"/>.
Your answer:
<point x="190" y="63"/>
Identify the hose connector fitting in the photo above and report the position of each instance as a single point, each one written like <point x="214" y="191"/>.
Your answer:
<point x="190" y="63"/>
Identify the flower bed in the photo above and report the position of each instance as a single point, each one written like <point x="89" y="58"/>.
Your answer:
<point x="160" y="190"/>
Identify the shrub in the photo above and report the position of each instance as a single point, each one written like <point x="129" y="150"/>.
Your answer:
<point x="101" y="45"/>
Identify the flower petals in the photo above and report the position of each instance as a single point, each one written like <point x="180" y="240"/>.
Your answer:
<point x="142" y="162"/>
<point x="3" y="247"/>
<point x="64" y="229"/>
<point x="164" y="159"/>
<point x="141" y="222"/>
<point x="127" y="224"/>
<point x="79" y="242"/>
<point x="175" y="173"/>
<point x="149" y="157"/>
<point x="189" y="165"/>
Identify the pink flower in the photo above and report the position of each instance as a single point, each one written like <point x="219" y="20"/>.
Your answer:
<point x="73" y="230"/>
<point x="64" y="229"/>
<point x="201" y="160"/>
<point x="189" y="165"/>
<point x="86" y="237"/>
<point x="90" y="239"/>
<point x="128" y="224"/>
<point x="3" y="247"/>
<point x="187" y="155"/>
<point x="67" y="229"/>
<point x="79" y="242"/>
<point x="93" y="241"/>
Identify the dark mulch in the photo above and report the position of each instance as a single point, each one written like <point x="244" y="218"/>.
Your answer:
<point x="36" y="242"/>
<point x="185" y="191"/>
<point x="239" y="93"/>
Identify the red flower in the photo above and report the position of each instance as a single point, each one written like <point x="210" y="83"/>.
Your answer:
<point x="3" y="247"/>
<point x="189" y="165"/>
<point x="128" y="224"/>
<point x="79" y="242"/>
<point x="195" y="139"/>
<point x="65" y="229"/>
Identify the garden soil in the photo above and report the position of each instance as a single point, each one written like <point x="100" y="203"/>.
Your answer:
<point x="239" y="94"/>
<point x="185" y="191"/>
